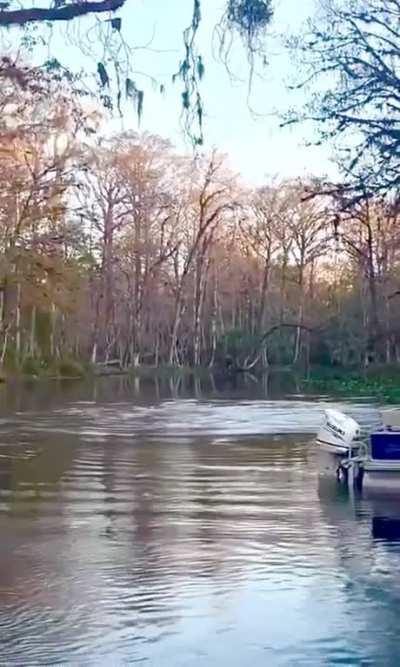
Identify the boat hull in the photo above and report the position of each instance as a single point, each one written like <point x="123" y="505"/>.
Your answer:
<point x="381" y="476"/>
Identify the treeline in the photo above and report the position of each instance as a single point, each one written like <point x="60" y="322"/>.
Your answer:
<point x="119" y="248"/>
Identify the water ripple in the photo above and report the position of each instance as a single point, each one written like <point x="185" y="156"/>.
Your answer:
<point x="149" y="533"/>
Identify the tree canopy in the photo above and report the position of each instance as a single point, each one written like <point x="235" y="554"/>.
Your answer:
<point x="119" y="247"/>
<point x="351" y="64"/>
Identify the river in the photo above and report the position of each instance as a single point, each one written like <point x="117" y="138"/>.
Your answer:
<point x="168" y="523"/>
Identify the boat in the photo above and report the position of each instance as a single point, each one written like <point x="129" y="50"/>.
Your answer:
<point x="371" y="462"/>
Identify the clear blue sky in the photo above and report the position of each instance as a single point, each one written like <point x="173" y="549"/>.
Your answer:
<point x="258" y="148"/>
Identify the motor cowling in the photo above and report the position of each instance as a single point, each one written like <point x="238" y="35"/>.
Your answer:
<point x="339" y="432"/>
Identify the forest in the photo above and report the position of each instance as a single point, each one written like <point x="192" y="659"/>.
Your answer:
<point x="119" y="249"/>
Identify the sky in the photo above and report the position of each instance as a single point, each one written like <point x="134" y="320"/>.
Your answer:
<point x="257" y="147"/>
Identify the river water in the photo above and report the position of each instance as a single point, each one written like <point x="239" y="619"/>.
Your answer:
<point x="156" y="523"/>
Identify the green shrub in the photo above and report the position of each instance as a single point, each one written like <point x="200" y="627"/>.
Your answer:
<point x="69" y="368"/>
<point x="31" y="366"/>
<point x="384" y="388"/>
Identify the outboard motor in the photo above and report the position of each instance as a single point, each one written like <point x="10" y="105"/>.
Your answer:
<point x="337" y="442"/>
<point x="338" y="433"/>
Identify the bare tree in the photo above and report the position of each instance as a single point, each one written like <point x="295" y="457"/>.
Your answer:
<point x="351" y="54"/>
<point x="209" y="197"/>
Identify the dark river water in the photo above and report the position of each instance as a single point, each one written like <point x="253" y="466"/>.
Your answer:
<point x="164" y="524"/>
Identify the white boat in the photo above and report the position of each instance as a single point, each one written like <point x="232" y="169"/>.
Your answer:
<point x="372" y="463"/>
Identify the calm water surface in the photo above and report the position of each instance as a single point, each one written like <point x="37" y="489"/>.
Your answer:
<point x="168" y="525"/>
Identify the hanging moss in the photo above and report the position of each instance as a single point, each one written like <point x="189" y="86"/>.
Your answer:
<point x="249" y="17"/>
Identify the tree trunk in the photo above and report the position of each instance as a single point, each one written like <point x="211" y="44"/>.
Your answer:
<point x="53" y="321"/>
<point x="2" y="307"/>
<point x="18" y="322"/>
<point x="173" y="351"/>
<point x="213" y="323"/>
<point x="374" y="324"/>
<point x="300" y="317"/>
<point x="283" y="289"/>
<point x="32" y="341"/>
<point x="4" y="350"/>
<point x="373" y="320"/>
<point x="388" y="337"/>
<point x="263" y="297"/>
<point x="200" y="288"/>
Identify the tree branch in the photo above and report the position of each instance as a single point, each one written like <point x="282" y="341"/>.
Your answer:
<point x="65" y="13"/>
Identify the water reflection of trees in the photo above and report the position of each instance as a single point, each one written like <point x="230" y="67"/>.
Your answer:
<point x="186" y="509"/>
<point x="31" y="510"/>
<point x="33" y="396"/>
<point x="34" y="466"/>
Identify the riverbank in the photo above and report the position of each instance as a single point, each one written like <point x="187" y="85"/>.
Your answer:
<point x="32" y="369"/>
<point x="380" y="383"/>
<point x="72" y="369"/>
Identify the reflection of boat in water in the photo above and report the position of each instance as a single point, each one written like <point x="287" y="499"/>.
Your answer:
<point x="350" y="511"/>
<point x="362" y="557"/>
<point x="384" y="510"/>
<point x="372" y="463"/>
<point x="386" y="528"/>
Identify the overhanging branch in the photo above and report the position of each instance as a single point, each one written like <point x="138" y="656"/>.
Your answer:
<point x="65" y="13"/>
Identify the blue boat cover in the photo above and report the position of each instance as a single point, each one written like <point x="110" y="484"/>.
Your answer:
<point x="385" y="445"/>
